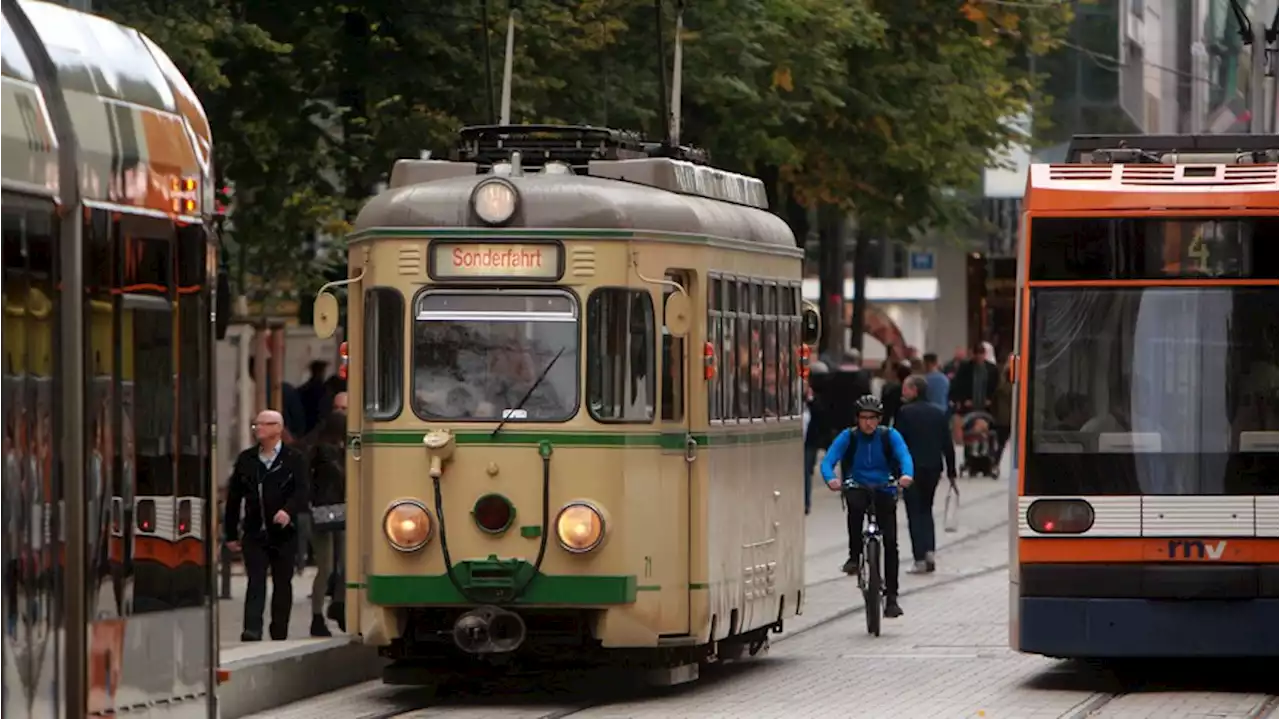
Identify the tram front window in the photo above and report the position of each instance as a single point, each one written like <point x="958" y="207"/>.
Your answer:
<point x="1153" y="390"/>
<point x="477" y="354"/>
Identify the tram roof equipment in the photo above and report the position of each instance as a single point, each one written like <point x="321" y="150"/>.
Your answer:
<point x="584" y="150"/>
<point x="1238" y="149"/>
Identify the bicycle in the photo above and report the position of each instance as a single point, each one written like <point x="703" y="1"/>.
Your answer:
<point x="871" y="563"/>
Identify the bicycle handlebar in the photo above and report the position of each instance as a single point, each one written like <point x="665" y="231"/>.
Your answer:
<point x="849" y="484"/>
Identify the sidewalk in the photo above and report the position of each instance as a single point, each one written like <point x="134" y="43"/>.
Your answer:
<point x="268" y="674"/>
<point x="231" y="611"/>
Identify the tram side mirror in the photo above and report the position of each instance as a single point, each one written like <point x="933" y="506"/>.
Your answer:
<point x="810" y="325"/>
<point x="678" y="314"/>
<point x="222" y="310"/>
<point x="325" y="315"/>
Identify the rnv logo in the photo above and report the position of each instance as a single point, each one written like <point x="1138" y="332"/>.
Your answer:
<point x="1200" y="549"/>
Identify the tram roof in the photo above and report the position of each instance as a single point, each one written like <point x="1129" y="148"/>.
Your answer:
<point x="137" y="121"/>
<point x="549" y="201"/>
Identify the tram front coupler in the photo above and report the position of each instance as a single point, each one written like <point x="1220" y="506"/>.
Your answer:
<point x="439" y="444"/>
<point x="489" y="630"/>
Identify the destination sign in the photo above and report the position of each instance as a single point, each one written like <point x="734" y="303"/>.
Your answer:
<point x="458" y="261"/>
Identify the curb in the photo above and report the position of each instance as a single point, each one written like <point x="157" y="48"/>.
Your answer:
<point x="273" y="680"/>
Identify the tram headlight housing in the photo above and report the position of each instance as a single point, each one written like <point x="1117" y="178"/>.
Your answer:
<point x="580" y="527"/>
<point x="407" y="525"/>
<point x="495" y="201"/>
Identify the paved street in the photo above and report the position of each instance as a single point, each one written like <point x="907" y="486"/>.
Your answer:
<point x="948" y="657"/>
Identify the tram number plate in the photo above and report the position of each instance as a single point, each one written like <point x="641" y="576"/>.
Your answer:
<point x="530" y="261"/>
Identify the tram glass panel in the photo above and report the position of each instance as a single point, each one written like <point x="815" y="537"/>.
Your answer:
<point x="148" y="397"/>
<point x="104" y="347"/>
<point x="478" y="353"/>
<point x="31" y="593"/>
<point x="1153" y="389"/>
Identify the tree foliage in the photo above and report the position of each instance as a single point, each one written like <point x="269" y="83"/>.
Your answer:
<point x="923" y="109"/>
<point x="878" y="106"/>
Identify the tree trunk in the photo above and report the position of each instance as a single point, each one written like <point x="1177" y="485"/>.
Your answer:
<point x="860" y="268"/>
<point x="831" y="229"/>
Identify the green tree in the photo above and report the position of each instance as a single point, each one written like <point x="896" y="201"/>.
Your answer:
<point x="921" y="114"/>
<point x="255" y="93"/>
<point x="924" y="110"/>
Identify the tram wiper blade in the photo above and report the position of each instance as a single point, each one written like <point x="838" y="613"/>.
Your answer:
<point x="520" y="405"/>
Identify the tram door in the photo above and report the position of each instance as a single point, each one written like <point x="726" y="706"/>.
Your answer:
<point x="679" y="451"/>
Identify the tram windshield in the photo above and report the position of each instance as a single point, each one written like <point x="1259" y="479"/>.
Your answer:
<point x="477" y="354"/>
<point x="1153" y="390"/>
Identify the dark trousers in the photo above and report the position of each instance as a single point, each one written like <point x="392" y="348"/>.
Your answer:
<point x="856" y="501"/>
<point x="918" y="499"/>
<point x="1002" y="440"/>
<point x="810" y="461"/>
<point x="277" y="555"/>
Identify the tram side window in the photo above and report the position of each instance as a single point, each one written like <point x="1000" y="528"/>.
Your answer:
<point x="620" y="345"/>
<point x="782" y="332"/>
<point x="744" y="350"/>
<point x="757" y="350"/>
<point x="714" y="393"/>
<point x="769" y="349"/>
<point x="30" y="284"/>
<point x="729" y="351"/>
<point x="797" y="382"/>
<point x="673" y="360"/>
<point x="383" y="353"/>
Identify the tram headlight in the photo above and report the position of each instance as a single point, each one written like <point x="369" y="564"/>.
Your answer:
<point x="580" y="527"/>
<point x="407" y="525"/>
<point x="495" y="201"/>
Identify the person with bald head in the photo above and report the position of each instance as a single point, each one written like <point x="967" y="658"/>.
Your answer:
<point x="268" y="491"/>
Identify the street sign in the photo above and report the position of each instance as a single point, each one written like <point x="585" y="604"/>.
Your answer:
<point x="922" y="261"/>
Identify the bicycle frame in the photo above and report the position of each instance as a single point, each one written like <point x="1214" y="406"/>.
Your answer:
<point x="871" y="529"/>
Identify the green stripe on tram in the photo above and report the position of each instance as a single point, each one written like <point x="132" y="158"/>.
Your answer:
<point x="596" y="440"/>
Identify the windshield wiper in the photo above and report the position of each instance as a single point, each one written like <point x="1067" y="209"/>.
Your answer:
<point x="520" y="405"/>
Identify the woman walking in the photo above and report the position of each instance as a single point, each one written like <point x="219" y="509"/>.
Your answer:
<point x="328" y="519"/>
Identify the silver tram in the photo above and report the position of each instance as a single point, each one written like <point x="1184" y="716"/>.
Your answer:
<point x="107" y="406"/>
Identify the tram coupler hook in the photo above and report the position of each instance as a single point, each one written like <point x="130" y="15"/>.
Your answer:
<point x="489" y="630"/>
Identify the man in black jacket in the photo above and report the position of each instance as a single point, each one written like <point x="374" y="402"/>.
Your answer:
<point x="271" y="481"/>
<point x="923" y="427"/>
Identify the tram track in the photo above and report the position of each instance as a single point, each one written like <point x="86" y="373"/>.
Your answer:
<point x="1267" y="708"/>
<point x="1090" y="705"/>
<point x="560" y="712"/>
<point x="1096" y="704"/>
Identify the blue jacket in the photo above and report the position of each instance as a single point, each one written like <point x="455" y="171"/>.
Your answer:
<point x="870" y="466"/>
<point x="939" y="389"/>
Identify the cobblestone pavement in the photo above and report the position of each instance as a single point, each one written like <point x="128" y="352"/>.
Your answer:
<point x="948" y="657"/>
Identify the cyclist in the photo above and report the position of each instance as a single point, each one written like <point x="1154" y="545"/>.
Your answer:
<point x="870" y="456"/>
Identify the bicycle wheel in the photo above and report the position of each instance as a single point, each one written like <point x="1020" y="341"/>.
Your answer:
<point x="873" y="596"/>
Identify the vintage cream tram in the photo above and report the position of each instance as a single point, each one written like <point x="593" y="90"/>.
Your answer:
<point x="579" y="364"/>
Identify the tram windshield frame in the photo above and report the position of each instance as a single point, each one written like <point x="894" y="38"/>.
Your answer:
<point x="477" y="353"/>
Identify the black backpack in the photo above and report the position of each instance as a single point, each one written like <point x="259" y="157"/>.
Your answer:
<point x="886" y="446"/>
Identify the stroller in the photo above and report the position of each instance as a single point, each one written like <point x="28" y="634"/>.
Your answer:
<point x="979" y="445"/>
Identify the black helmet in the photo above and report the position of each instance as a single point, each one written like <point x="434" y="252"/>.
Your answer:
<point x="869" y="403"/>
